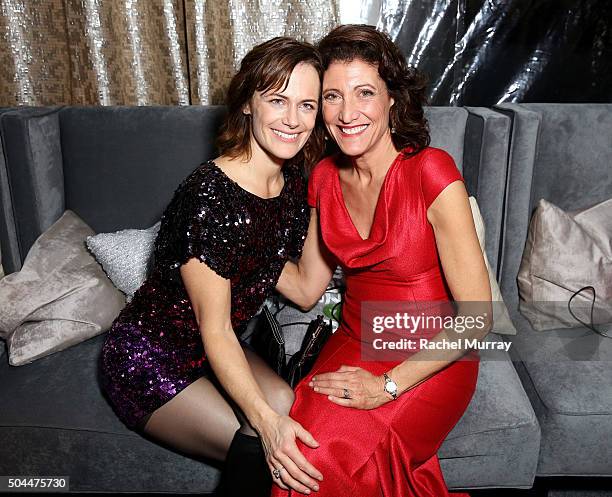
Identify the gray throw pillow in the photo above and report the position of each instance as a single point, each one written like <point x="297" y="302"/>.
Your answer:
<point x="60" y="297"/>
<point x="125" y="256"/>
<point x="564" y="252"/>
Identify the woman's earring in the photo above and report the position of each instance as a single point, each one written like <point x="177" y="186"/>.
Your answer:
<point x="392" y="130"/>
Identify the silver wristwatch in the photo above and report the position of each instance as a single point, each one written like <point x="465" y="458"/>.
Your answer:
<point x="390" y="386"/>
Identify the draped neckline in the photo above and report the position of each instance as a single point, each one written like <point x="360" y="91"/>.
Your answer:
<point x="378" y="209"/>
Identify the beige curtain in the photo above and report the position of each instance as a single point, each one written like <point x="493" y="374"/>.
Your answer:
<point x="140" y="52"/>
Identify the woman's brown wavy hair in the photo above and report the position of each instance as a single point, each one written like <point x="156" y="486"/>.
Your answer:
<point x="405" y="84"/>
<point x="266" y="67"/>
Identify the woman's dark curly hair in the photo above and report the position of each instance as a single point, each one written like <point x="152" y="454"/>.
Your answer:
<point x="405" y="84"/>
<point x="267" y="66"/>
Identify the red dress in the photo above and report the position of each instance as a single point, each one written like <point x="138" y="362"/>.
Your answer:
<point x="389" y="451"/>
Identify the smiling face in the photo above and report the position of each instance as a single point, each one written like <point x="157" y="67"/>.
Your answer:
<point x="356" y="107"/>
<point x="283" y="119"/>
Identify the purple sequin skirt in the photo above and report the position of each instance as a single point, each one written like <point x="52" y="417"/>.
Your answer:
<point x="139" y="374"/>
<point x="152" y="352"/>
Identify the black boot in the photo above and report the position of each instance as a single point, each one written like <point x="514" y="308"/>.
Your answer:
<point x="246" y="472"/>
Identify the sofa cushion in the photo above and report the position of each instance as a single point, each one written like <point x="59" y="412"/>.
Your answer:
<point x="56" y="405"/>
<point x="560" y="152"/>
<point x="496" y="442"/>
<point x="566" y="252"/>
<point x="566" y="374"/>
<point x="55" y="421"/>
<point x="125" y="256"/>
<point x="60" y="297"/>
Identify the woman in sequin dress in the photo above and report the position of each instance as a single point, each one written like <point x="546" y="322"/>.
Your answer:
<point x="172" y="364"/>
<point x="394" y="213"/>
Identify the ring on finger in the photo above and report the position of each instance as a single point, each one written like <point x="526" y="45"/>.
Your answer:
<point x="347" y="393"/>
<point x="276" y="472"/>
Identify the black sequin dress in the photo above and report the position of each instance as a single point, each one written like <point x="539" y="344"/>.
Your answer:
<point x="154" y="348"/>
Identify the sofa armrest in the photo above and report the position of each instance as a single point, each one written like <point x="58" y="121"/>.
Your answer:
<point x="31" y="180"/>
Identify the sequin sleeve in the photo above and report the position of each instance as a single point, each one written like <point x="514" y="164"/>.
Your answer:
<point x="194" y="226"/>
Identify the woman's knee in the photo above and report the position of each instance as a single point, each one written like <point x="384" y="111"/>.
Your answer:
<point x="280" y="397"/>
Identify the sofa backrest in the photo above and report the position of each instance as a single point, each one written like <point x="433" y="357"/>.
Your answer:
<point x="117" y="167"/>
<point x="559" y="152"/>
<point x="122" y="164"/>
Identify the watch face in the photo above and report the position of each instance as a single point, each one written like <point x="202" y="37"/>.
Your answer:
<point x="390" y="386"/>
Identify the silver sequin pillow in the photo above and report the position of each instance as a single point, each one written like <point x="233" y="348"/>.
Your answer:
<point x="125" y="256"/>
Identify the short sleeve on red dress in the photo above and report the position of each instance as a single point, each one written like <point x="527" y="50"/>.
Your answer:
<point x="438" y="170"/>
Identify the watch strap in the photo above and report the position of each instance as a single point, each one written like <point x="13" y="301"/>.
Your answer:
<point x="389" y="380"/>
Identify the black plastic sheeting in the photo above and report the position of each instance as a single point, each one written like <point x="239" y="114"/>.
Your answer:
<point x="484" y="52"/>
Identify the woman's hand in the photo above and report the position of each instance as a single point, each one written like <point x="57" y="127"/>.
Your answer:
<point x="278" y="439"/>
<point x="363" y="389"/>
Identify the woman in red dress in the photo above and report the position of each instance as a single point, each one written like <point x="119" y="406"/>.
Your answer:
<point x="394" y="213"/>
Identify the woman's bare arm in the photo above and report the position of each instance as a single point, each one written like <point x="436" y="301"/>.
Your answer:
<point x="210" y="296"/>
<point x="304" y="283"/>
<point x="467" y="277"/>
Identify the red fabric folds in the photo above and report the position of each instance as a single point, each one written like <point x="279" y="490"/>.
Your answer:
<point x="389" y="451"/>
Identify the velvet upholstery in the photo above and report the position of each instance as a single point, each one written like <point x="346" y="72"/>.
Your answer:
<point x="119" y="167"/>
<point x="447" y="130"/>
<point x="55" y="421"/>
<point x="136" y="157"/>
<point x="9" y="250"/>
<point x="562" y="153"/>
<point x="566" y="374"/>
<point x="56" y="403"/>
<point x="34" y="168"/>
<point x="496" y="442"/>
<point x="566" y="252"/>
<point x="485" y="168"/>
<point x="523" y="138"/>
<point x="60" y="297"/>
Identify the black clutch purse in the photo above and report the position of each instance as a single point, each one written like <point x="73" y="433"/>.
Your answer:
<point x="302" y="361"/>
<point x="268" y="341"/>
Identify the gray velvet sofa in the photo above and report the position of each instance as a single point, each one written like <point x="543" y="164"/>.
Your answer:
<point x="117" y="167"/>
<point x="562" y="153"/>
